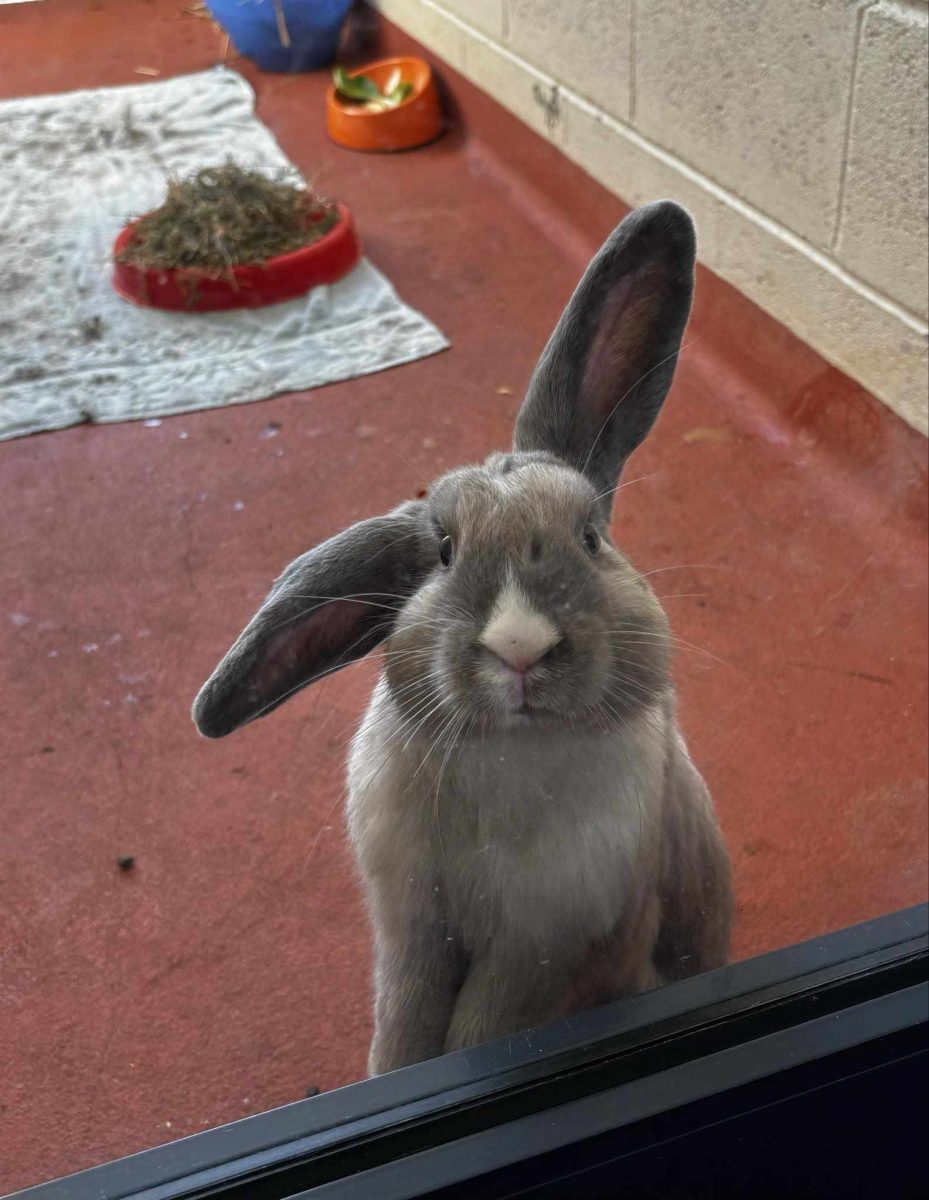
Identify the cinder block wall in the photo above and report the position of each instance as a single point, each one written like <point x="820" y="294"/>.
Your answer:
<point x="796" y="131"/>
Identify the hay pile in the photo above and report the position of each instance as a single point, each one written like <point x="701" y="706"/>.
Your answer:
<point x="221" y="217"/>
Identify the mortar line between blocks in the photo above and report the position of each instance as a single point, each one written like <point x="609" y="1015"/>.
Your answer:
<point x="849" y="121"/>
<point x="633" y="54"/>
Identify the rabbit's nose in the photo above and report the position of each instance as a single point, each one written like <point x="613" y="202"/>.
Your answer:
<point x="516" y="633"/>
<point x="518" y="656"/>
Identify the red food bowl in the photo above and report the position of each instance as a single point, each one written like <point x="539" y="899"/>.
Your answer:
<point x="249" y="285"/>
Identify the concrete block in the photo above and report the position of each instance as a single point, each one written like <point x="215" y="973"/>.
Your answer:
<point x="585" y="46"/>
<point x="485" y="15"/>
<point x="883" y="235"/>
<point x="882" y="349"/>
<point x="531" y="95"/>
<point x="429" y="26"/>
<point x="753" y="93"/>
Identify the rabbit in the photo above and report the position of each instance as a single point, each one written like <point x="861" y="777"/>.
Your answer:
<point x="533" y="838"/>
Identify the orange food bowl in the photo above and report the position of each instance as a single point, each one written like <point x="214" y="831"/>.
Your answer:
<point x="416" y="120"/>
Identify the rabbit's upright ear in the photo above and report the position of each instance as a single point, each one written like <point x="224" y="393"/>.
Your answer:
<point x="608" y="366"/>
<point x="330" y="607"/>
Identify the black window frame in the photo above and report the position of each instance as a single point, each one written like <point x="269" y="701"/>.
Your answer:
<point x="610" y="1086"/>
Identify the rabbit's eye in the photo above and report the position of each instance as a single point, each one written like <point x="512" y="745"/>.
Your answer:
<point x="445" y="551"/>
<point x="591" y="540"/>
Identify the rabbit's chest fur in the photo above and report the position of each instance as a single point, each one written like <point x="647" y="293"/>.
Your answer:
<point x="530" y="836"/>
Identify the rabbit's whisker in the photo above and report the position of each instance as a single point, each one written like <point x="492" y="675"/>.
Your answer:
<point x="427" y="704"/>
<point x="688" y="567"/>
<point x="325" y="600"/>
<point x="629" y="697"/>
<point x="628" y="392"/>
<point x="431" y="711"/>
<point x="438" y="787"/>
<point x="336" y="666"/>
<point x="436" y="740"/>
<point x="626" y="483"/>
<point x="661" y="639"/>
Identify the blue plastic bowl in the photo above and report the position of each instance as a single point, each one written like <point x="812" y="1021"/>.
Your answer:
<point x="313" y="26"/>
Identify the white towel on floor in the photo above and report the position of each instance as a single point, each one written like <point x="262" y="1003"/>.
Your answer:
<point x="73" y="169"/>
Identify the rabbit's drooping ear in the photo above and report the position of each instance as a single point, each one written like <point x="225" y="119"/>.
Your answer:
<point x="607" y="367"/>
<point x="330" y="607"/>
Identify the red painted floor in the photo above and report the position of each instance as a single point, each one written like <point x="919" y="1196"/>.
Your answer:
<point x="229" y="970"/>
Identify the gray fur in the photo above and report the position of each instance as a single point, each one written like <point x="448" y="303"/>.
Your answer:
<point x="526" y="853"/>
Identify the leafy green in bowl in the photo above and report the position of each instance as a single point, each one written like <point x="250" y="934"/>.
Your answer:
<point x="362" y="90"/>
